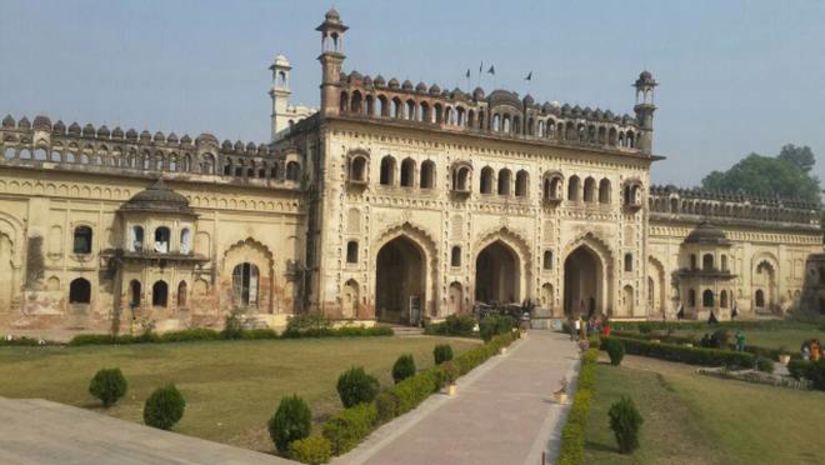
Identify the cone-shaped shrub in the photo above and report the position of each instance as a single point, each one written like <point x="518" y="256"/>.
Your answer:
<point x="625" y="422"/>
<point x="291" y="422"/>
<point x="404" y="368"/>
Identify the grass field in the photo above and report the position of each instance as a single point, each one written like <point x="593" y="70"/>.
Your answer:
<point x="694" y="419"/>
<point x="232" y="388"/>
<point x="791" y="337"/>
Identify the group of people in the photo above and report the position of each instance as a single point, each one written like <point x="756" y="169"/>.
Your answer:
<point x="812" y="350"/>
<point x="579" y="327"/>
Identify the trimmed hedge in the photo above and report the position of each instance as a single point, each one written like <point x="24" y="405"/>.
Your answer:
<point x="683" y="354"/>
<point x="571" y="451"/>
<point x="313" y="450"/>
<point x="442" y="353"/>
<point x="759" y="351"/>
<point x="403" y="368"/>
<point x="349" y="427"/>
<point x="812" y="371"/>
<point x="454" y="325"/>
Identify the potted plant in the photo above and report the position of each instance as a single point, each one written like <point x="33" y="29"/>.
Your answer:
<point x="784" y="356"/>
<point x="450" y="376"/>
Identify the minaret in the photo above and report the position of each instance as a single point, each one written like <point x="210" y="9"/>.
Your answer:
<point x="280" y="94"/>
<point x="644" y="109"/>
<point x="331" y="58"/>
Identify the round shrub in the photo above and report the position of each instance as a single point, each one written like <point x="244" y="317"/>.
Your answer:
<point x="355" y="386"/>
<point x="108" y="385"/>
<point x="312" y="450"/>
<point x="291" y="422"/>
<point x="386" y="406"/>
<point x="493" y="325"/>
<point x="764" y="364"/>
<point x="442" y="353"/>
<point x="404" y="368"/>
<point x="164" y="407"/>
<point x="615" y="349"/>
<point x="459" y="325"/>
<point x="625" y="422"/>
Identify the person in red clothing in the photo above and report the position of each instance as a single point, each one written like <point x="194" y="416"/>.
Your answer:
<point x="606" y="328"/>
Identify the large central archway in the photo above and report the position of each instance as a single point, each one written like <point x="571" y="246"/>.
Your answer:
<point x="583" y="277"/>
<point x="497" y="274"/>
<point x="400" y="282"/>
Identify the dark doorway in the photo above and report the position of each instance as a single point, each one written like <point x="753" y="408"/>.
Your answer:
<point x="400" y="282"/>
<point x="582" y="283"/>
<point x="497" y="274"/>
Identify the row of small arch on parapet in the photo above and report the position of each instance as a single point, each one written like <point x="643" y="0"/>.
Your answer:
<point x="730" y="209"/>
<point x="502" y="182"/>
<point x="505" y="120"/>
<point x="732" y="196"/>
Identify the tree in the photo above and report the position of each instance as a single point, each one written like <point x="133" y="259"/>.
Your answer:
<point x="786" y="175"/>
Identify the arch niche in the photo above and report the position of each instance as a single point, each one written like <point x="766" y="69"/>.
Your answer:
<point x="400" y="281"/>
<point x="587" y="279"/>
<point x="498" y="272"/>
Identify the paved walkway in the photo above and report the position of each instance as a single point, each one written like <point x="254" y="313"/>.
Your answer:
<point x="39" y="432"/>
<point x="503" y="413"/>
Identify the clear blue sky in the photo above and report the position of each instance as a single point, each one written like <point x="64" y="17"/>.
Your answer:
<point x="736" y="76"/>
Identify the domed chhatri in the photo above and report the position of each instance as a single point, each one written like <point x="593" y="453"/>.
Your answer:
<point x="158" y="198"/>
<point x="707" y="233"/>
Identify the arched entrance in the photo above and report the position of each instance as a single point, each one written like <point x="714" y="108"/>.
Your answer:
<point x="400" y="282"/>
<point x="583" y="276"/>
<point x="497" y="274"/>
<point x="456" y="298"/>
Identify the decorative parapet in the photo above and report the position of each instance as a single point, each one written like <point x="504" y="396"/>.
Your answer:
<point x="48" y="145"/>
<point x="669" y="202"/>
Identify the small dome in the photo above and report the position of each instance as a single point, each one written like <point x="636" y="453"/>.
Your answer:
<point x="103" y="131"/>
<point x="238" y="146"/>
<point x="393" y="84"/>
<point x="379" y="81"/>
<point x="281" y="61"/>
<point x="251" y="147"/>
<point x="8" y="122"/>
<point x="407" y="85"/>
<point x="74" y="129"/>
<point x="332" y="15"/>
<point x="367" y="81"/>
<point x="131" y="134"/>
<point x="59" y="127"/>
<point x="159" y="137"/>
<point x="24" y="123"/>
<point x="528" y="100"/>
<point x="158" y="198"/>
<point x="145" y="136"/>
<point x="547" y="108"/>
<point x="186" y="139"/>
<point x="89" y="130"/>
<point x="354" y="76"/>
<point x="173" y="138"/>
<point x="226" y="145"/>
<point x="42" y="123"/>
<point x="434" y="89"/>
<point x="206" y="138"/>
<point x="117" y="133"/>
<point x="478" y="93"/>
<point x="707" y="233"/>
<point x="421" y="88"/>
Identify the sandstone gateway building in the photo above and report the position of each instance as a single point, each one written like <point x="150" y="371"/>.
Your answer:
<point x="392" y="202"/>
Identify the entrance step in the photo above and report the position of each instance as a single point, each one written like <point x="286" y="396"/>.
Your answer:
<point x="401" y="330"/>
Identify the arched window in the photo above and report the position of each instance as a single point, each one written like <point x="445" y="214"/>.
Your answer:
<point x="135" y="293"/>
<point x="358" y="169"/>
<point x="185" y="241"/>
<point x="408" y="173"/>
<point x="759" y="298"/>
<point x="427" y="174"/>
<point x="160" y="294"/>
<point x="162" y="236"/>
<point x="486" y="180"/>
<point x="504" y="182"/>
<point x="693" y="261"/>
<point x="455" y="256"/>
<point x="723" y="299"/>
<point x="691" y="298"/>
<point x="183" y="290"/>
<point x="589" y="189"/>
<point x="547" y="263"/>
<point x="293" y="171"/>
<point x="82" y="240"/>
<point x="724" y="262"/>
<point x="707" y="299"/>
<point x="461" y="178"/>
<point x="522" y="181"/>
<point x="573" y="189"/>
<point x="604" y="191"/>
<point x="245" y="285"/>
<point x="707" y="262"/>
<point x="352" y="252"/>
<point x="387" y="171"/>
<point x="628" y="262"/>
<point x="355" y="105"/>
<point x="137" y="239"/>
<point x="80" y="291"/>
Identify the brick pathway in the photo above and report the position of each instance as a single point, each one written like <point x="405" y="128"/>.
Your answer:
<point x="503" y="413"/>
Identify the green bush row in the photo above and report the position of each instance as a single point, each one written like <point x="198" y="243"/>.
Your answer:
<point x="765" y="325"/>
<point x="204" y="334"/>
<point x="571" y="451"/>
<point x="812" y="371"/>
<point x="759" y="351"/>
<point x="683" y="354"/>
<point x="453" y="325"/>
<point x="349" y="427"/>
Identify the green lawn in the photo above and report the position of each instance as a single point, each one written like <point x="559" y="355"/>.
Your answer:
<point x="232" y="388"/>
<point x="694" y="419"/>
<point x="791" y="337"/>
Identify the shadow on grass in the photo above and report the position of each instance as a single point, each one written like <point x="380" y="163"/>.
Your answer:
<point x="598" y="446"/>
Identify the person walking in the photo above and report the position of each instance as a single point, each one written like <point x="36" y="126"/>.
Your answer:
<point x="577" y="327"/>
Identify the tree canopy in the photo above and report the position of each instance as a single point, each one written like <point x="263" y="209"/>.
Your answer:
<point x="785" y="175"/>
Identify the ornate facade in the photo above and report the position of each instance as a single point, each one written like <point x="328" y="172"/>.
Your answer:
<point x="392" y="202"/>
